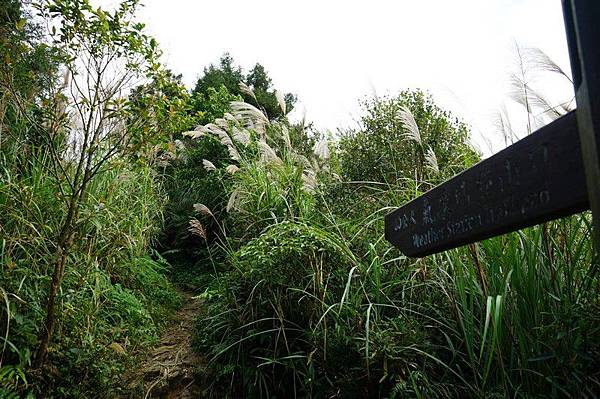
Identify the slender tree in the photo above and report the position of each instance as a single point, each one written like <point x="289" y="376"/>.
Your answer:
<point x="87" y="121"/>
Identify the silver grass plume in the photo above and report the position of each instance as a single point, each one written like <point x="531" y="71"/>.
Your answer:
<point x="230" y="118"/>
<point x="198" y="132"/>
<point x="302" y="160"/>
<point x="286" y="137"/>
<point x="233" y="153"/>
<point x="540" y="102"/>
<point x="540" y="61"/>
<point x="280" y="100"/>
<point x="220" y="133"/>
<point x="251" y="116"/>
<point x="244" y="88"/>
<point x="248" y="111"/>
<point x="203" y="210"/>
<point x="523" y="94"/>
<point x="314" y="165"/>
<point x="209" y="166"/>
<point x="222" y="123"/>
<point x="179" y="145"/>
<point x="196" y="228"/>
<point x="195" y="134"/>
<point x="180" y="150"/>
<point x="242" y="136"/>
<point x="321" y="149"/>
<point x="518" y="89"/>
<point x="309" y="179"/>
<point x="267" y="153"/>
<point x="431" y="160"/>
<point x="231" y="169"/>
<point x="502" y="122"/>
<point x="519" y="83"/>
<point x="234" y="200"/>
<point x="409" y="125"/>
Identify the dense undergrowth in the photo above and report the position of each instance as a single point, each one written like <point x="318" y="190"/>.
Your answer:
<point x="77" y="208"/>
<point x="278" y="227"/>
<point x="309" y="299"/>
<point x="115" y="296"/>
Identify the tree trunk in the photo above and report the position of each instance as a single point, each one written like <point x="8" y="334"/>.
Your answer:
<point x="65" y="242"/>
<point x="48" y="329"/>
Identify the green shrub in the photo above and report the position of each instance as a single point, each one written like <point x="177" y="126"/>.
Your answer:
<point x="264" y="326"/>
<point x="383" y="151"/>
<point x="299" y="314"/>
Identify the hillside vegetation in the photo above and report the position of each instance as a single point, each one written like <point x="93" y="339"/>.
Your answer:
<point x="121" y="189"/>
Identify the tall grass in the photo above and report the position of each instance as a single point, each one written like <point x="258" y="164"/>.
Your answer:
<point x="529" y="325"/>
<point x="115" y="296"/>
<point x="313" y="301"/>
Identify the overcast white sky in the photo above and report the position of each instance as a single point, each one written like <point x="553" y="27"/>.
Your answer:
<point x="331" y="53"/>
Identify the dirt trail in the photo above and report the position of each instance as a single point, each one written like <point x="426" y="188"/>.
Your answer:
<point x="169" y="370"/>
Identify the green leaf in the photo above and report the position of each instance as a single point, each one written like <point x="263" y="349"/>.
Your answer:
<point x="21" y="24"/>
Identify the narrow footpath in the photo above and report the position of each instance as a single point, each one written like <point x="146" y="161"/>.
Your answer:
<point x="170" y="369"/>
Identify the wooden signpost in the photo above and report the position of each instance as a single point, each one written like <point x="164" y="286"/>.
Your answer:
<point x="552" y="173"/>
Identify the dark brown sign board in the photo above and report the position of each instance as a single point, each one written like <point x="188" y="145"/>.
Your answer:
<point x="542" y="177"/>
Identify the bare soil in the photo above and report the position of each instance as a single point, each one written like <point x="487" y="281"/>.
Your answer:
<point x="170" y="370"/>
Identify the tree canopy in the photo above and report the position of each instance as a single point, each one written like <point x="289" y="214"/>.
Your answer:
<point x="402" y="132"/>
<point x="229" y="75"/>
